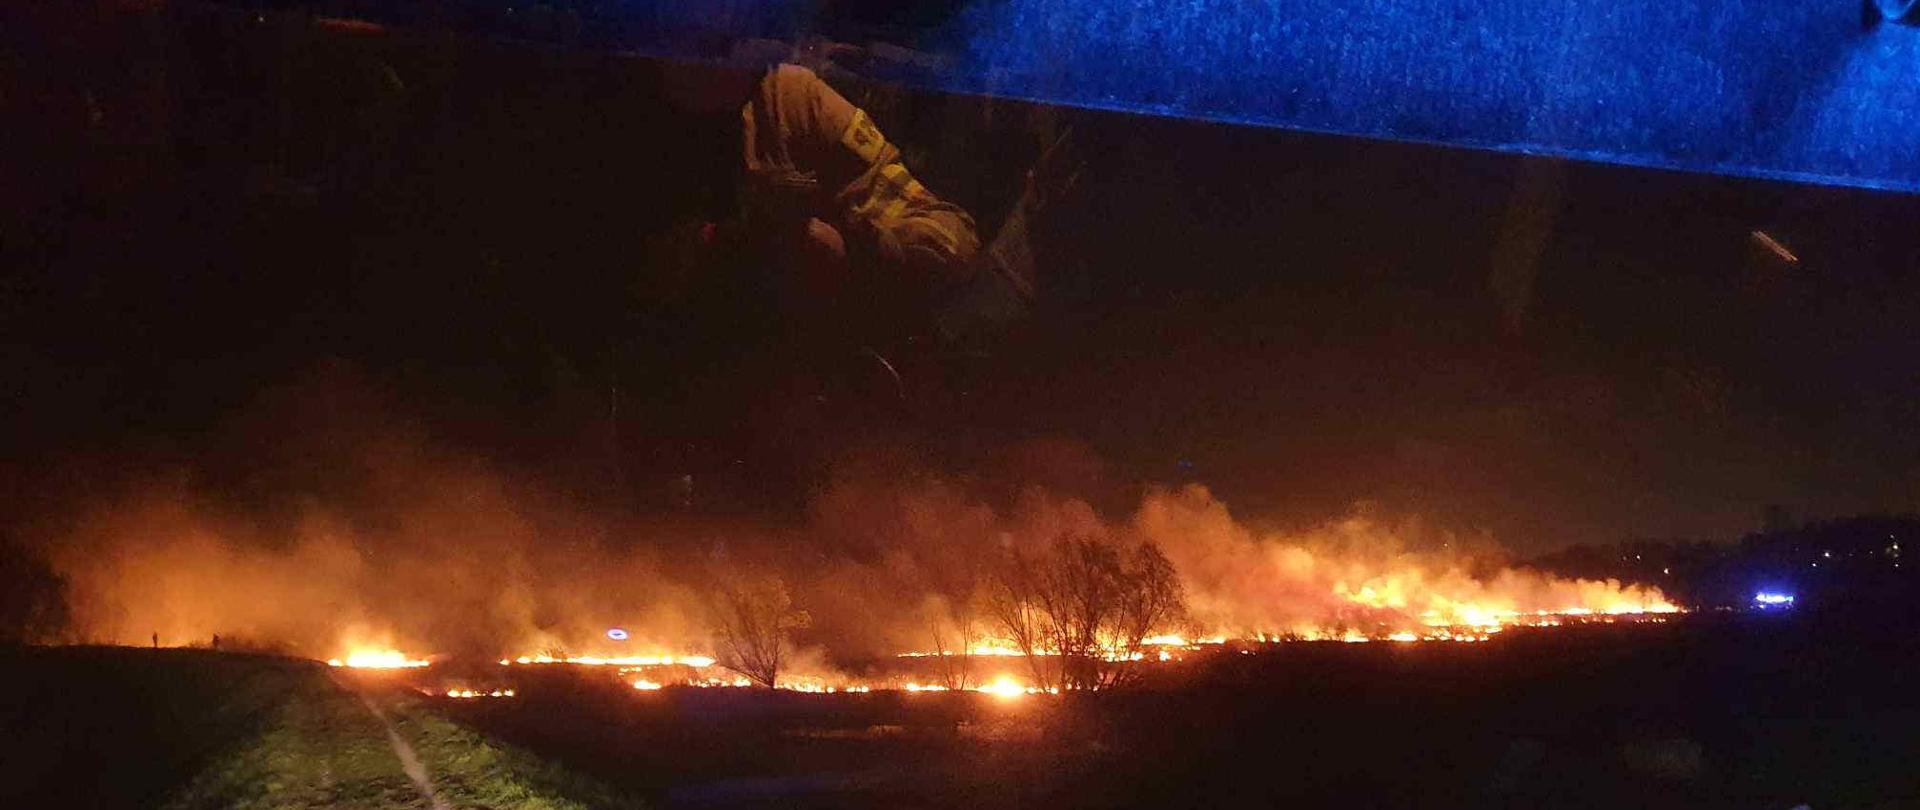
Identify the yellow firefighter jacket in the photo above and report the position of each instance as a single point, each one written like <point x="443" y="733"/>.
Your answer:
<point x="810" y="153"/>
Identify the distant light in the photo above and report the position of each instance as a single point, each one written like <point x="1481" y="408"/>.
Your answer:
<point x="1767" y="599"/>
<point x="617" y="634"/>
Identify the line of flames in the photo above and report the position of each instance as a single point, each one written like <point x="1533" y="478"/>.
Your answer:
<point x="1481" y="627"/>
<point x="468" y="694"/>
<point x="1004" y="686"/>
<point x="635" y="669"/>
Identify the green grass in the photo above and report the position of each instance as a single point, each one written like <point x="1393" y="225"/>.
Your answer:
<point x="315" y="746"/>
<point x="470" y="771"/>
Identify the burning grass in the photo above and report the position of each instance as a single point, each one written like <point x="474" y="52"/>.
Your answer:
<point x="437" y="560"/>
<point x="1645" y="714"/>
<point x="1711" y="710"/>
<point x="377" y="659"/>
<point x="1161" y="663"/>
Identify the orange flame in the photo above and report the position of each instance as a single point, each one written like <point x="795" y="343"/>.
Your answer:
<point x="367" y="658"/>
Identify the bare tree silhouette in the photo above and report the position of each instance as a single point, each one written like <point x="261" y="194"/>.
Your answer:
<point x="752" y="618"/>
<point x="1081" y="608"/>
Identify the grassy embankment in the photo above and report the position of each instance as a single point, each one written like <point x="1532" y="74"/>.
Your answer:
<point x="119" y="727"/>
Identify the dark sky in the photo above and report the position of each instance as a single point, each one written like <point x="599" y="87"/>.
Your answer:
<point x="1312" y="322"/>
<point x="1549" y="352"/>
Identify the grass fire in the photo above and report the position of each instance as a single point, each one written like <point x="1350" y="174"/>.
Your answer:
<point x="743" y="405"/>
<point x="444" y="563"/>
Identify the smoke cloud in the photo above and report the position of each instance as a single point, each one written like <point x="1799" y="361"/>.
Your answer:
<point x="346" y="529"/>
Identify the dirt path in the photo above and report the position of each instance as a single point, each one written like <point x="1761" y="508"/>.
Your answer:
<point x="409" y="762"/>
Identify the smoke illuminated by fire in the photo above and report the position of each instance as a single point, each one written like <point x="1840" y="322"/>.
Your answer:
<point x="406" y="556"/>
<point x="1355" y="578"/>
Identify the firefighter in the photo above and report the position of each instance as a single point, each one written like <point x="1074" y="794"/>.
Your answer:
<point x="853" y="242"/>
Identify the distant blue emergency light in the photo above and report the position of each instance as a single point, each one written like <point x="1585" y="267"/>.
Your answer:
<point x="617" y="634"/>
<point x="1769" y="599"/>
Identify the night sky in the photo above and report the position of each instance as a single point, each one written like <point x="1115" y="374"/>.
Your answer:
<point x="1549" y="352"/>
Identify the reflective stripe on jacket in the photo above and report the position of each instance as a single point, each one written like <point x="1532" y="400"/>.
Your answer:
<point x="811" y="153"/>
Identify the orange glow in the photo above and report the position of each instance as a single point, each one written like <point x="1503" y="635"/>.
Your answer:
<point x="696" y="661"/>
<point x="984" y="648"/>
<point x="465" y="694"/>
<point x="377" y="659"/>
<point x="1005" y="687"/>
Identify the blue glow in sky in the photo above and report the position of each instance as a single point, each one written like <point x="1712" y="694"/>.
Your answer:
<point x="617" y="634"/>
<point x="1812" y="90"/>
<point x="1769" y="599"/>
<point x="1803" y="89"/>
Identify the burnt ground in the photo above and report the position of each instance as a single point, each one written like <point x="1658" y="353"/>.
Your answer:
<point x="1715" y="711"/>
<point x="1747" y="711"/>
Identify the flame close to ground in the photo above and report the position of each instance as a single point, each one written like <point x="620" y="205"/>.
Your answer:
<point x="613" y="661"/>
<point x="378" y="659"/>
<point x="469" y="694"/>
<point x="436" y="559"/>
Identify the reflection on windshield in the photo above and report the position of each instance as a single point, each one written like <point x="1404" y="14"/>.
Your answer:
<point x="838" y="425"/>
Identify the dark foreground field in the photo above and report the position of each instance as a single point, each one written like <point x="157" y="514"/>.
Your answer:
<point x="97" y="727"/>
<point x="1737" y="712"/>
<point x="1746" y="712"/>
